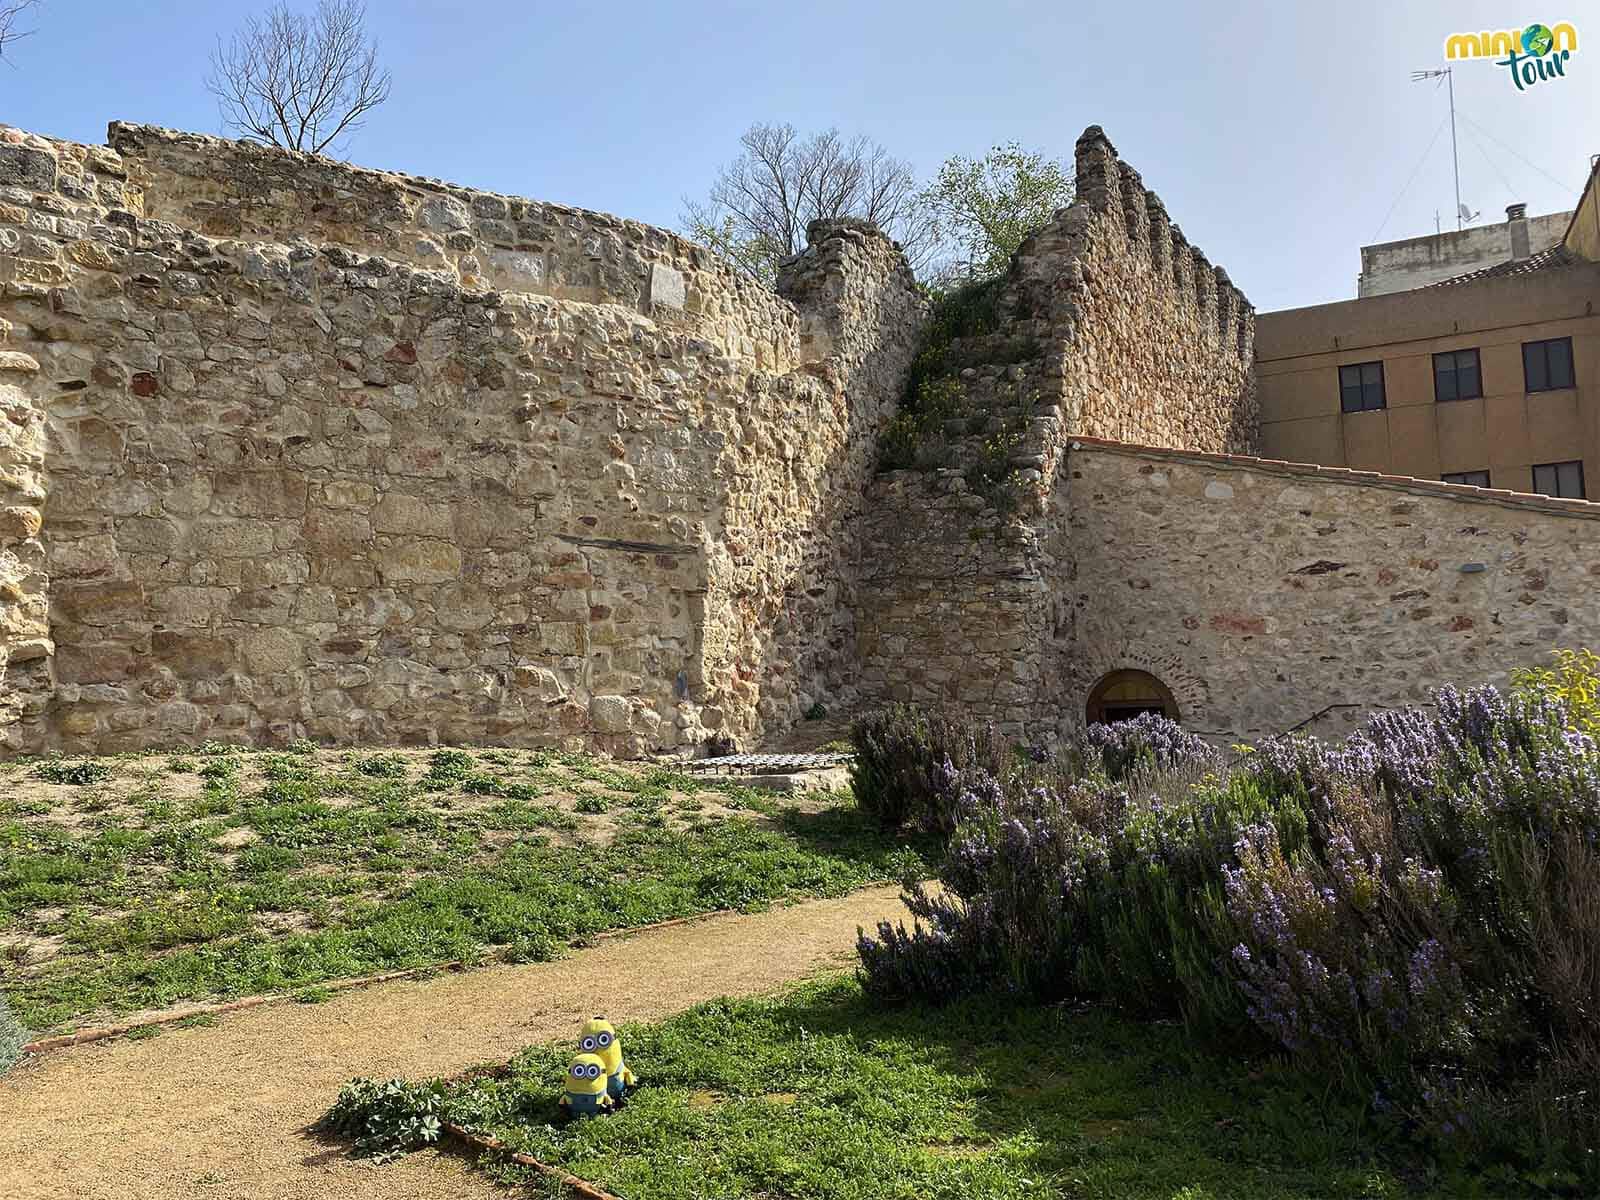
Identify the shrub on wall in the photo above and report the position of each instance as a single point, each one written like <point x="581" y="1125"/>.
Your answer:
<point x="936" y="401"/>
<point x="1414" y="911"/>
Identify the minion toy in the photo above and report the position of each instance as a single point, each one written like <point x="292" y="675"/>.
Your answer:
<point x="586" y="1087"/>
<point x="600" y="1038"/>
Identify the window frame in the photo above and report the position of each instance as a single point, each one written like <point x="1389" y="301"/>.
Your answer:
<point x="1460" y="478"/>
<point x="1542" y="348"/>
<point x="1362" y="386"/>
<point x="1455" y="375"/>
<point x="1583" y="486"/>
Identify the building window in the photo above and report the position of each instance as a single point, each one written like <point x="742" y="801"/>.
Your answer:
<point x="1361" y="387"/>
<point x="1470" y="478"/>
<point x="1124" y="695"/>
<point x="1559" y="479"/>
<point x="1456" y="375"/>
<point x="1547" y="365"/>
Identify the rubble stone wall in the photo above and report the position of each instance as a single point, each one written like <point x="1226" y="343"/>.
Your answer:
<point x="1137" y="337"/>
<point x="1146" y="341"/>
<point x="293" y="449"/>
<point x="245" y="192"/>
<point x="267" y="477"/>
<point x="1262" y="593"/>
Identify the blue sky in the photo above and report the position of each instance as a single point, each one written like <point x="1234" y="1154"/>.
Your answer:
<point x="1279" y="134"/>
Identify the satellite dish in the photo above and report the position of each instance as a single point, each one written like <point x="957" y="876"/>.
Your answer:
<point x="1468" y="215"/>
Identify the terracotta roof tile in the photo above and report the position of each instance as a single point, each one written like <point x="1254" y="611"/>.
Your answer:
<point x="1555" y="257"/>
<point x="1408" y="483"/>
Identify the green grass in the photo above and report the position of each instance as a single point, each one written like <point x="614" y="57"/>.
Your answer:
<point x="823" y="1095"/>
<point x="286" y="871"/>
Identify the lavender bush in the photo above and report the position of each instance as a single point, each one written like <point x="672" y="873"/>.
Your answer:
<point x="907" y="764"/>
<point x="1149" y="739"/>
<point x="1415" y="910"/>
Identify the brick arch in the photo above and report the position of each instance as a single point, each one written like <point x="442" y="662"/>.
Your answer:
<point x="1189" y="690"/>
<point x="1102" y="707"/>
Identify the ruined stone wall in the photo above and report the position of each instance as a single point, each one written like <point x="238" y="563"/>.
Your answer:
<point x="1261" y="593"/>
<point x="310" y="479"/>
<point x="1134" y="335"/>
<point x="1150" y="342"/>
<point x="244" y="192"/>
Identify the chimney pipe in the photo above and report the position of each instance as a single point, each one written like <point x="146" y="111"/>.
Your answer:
<point x="1517" y="223"/>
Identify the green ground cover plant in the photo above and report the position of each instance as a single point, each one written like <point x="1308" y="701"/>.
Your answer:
<point x="825" y="1094"/>
<point x="13" y="1037"/>
<point x="221" y="873"/>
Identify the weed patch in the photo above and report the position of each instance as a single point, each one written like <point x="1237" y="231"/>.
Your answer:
<point x="289" y="870"/>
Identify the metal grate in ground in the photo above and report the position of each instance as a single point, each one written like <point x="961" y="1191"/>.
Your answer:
<point x="769" y="764"/>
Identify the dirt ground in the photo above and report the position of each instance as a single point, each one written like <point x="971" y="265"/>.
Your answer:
<point x="214" y="1113"/>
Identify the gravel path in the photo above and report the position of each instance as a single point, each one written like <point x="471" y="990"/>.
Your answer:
<point x="213" y="1113"/>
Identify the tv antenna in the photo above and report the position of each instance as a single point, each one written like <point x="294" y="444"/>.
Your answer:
<point x="1463" y="213"/>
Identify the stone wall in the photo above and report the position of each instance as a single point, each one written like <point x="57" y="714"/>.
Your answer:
<point x="245" y="192"/>
<point x="1136" y="336"/>
<point x="317" y="456"/>
<point x="1149" y="342"/>
<point x="956" y="606"/>
<point x="290" y="448"/>
<point x="1262" y="592"/>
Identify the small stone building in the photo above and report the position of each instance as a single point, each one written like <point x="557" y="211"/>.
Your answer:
<point x="293" y="448"/>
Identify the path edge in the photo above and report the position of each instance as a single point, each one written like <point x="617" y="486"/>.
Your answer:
<point x="483" y="1143"/>
<point x="101" y="1033"/>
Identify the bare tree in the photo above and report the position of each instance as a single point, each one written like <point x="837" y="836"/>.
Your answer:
<point x="299" y="81"/>
<point x="760" y="204"/>
<point x="9" y="12"/>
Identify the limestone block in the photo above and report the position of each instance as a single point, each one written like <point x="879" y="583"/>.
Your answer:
<point x="667" y="287"/>
<point x="400" y="513"/>
<point x="445" y="214"/>
<point x="19" y="522"/>
<point x="16" y="360"/>
<point x="610" y="714"/>
<point x="270" y="652"/>
<point x="542" y="681"/>
<point x="27" y="167"/>
<point x="418" y="560"/>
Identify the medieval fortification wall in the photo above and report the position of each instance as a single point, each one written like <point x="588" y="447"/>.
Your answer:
<point x="1137" y="337"/>
<point x="298" y="449"/>
<point x="290" y="448"/>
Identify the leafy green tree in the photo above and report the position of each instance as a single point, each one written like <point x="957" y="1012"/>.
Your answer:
<point x="983" y="208"/>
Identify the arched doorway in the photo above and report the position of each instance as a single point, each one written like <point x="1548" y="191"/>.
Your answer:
<point x="1124" y="695"/>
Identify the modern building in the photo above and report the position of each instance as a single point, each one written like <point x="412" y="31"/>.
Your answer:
<point x="1416" y="262"/>
<point x="1490" y="377"/>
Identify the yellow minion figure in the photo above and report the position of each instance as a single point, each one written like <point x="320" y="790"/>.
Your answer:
<point x="586" y="1087"/>
<point x="600" y="1038"/>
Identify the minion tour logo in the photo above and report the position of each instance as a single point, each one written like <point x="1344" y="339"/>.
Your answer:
<point x="1532" y="55"/>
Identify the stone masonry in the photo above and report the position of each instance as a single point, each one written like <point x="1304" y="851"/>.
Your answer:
<point x="327" y="452"/>
<point x="290" y="448"/>
<point x="1262" y="592"/>
<point x="1139" y="338"/>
